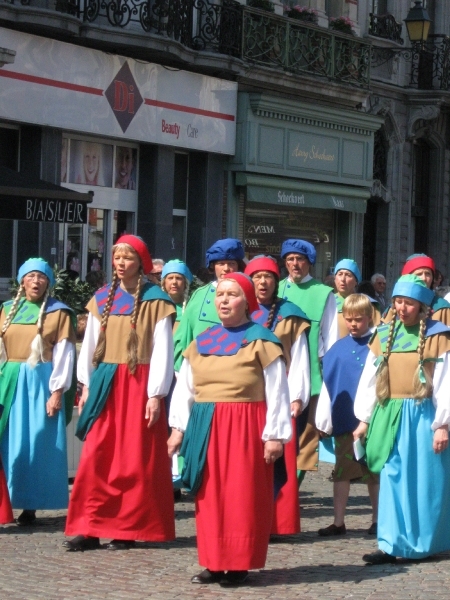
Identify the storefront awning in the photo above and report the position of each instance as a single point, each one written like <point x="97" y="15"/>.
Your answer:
<point x="306" y="194"/>
<point x="26" y="198"/>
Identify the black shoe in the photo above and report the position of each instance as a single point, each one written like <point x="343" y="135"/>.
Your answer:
<point x="378" y="558"/>
<point x="232" y="578"/>
<point x="332" y="530"/>
<point x="80" y="543"/>
<point x="27" y="517"/>
<point x="207" y="576"/>
<point x="120" y="544"/>
<point x="176" y="495"/>
<point x="373" y="529"/>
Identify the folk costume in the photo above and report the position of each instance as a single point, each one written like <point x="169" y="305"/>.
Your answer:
<point x="290" y="325"/>
<point x="350" y="265"/>
<point x="201" y="313"/>
<point x="414" y="481"/>
<point x="123" y="488"/>
<point x="439" y="307"/>
<point x="33" y="444"/>
<point x="342" y="369"/>
<point x="231" y="396"/>
<point x="317" y="301"/>
<point x="181" y="268"/>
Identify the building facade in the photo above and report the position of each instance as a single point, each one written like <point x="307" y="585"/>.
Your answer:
<point x="229" y="118"/>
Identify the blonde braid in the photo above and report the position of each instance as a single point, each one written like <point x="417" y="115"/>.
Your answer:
<point x="133" y="340"/>
<point x="271" y="315"/>
<point x="37" y="345"/>
<point x="100" y="349"/>
<point x="383" y="390"/>
<point x="8" y="321"/>
<point x="422" y="390"/>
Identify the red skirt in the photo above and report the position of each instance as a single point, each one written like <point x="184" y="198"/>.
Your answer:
<point x="6" y="513"/>
<point x="234" y="505"/>
<point x="286" y="515"/>
<point x="123" y="487"/>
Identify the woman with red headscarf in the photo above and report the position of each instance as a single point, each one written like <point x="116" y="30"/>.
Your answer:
<point x="123" y="487"/>
<point x="230" y="415"/>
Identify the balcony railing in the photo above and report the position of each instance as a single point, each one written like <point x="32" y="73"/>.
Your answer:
<point x="229" y="28"/>
<point x="386" y="27"/>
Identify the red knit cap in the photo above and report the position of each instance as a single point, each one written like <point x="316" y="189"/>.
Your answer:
<point x="262" y="263"/>
<point x="418" y="261"/>
<point x="140" y="247"/>
<point x="246" y="284"/>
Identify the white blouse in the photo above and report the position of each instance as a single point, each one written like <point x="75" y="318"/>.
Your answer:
<point x="299" y="377"/>
<point x="161" y="369"/>
<point x="62" y="363"/>
<point x="278" y="418"/>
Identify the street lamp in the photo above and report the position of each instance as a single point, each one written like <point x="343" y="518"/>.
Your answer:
<point x="418" y="23"/>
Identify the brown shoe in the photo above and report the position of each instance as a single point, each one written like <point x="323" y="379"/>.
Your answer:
<point x="332" y="530"/>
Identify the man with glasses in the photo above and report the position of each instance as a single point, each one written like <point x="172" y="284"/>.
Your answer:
<point x="318" y="303"/>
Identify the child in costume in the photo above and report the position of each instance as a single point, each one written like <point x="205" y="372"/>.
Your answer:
<point x="342" y="369"/>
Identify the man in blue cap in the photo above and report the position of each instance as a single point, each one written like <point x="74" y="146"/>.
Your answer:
<point x="318" y="302"/>
<point x="224" y="256"/>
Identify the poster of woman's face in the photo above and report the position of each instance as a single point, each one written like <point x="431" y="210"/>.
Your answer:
<point x="125" y="174"/>
<point x="91" y="163"/>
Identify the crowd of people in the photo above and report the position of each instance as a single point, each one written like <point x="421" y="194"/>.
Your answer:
<point x="229" y="390"/>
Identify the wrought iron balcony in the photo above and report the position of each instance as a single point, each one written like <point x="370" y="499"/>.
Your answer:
<point x="227" y="27"/>
<point x="386" y="27"/>
<point x="430" y="62"/>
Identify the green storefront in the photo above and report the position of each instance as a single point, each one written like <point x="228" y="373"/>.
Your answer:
<point x="300" y="170"/>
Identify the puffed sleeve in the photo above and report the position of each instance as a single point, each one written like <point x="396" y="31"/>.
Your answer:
<point x="161" y="363"/>
<point x="329" y="326"/>
<point x="278" y="418"/>
<point x="84" y="364"/>
<point x="182" y="398"/>
<point x="299" y="378"/>
<point x="62" y="363"/>
<point x="366" y="399"/>
<point x="323" y="411"/>
<point x="441" y="395"/>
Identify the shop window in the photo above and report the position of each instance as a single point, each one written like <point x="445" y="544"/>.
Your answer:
<point x="123" y="224"/>
<point x="9" y="157"/>
<point x="266" y="229"/>
<point x="97" y="224"/>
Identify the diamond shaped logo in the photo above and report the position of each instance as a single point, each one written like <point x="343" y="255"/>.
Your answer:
<point x="124" y="97"/>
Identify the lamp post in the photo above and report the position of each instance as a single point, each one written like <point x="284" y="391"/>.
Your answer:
<point x="418" y="26"/>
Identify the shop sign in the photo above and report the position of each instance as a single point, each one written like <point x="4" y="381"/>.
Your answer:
<point x="313" y="152"/>
<point x="74" y="88"/>
<point x="44" y="210"/>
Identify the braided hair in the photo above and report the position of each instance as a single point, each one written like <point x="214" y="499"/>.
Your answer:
<point x="8" y="321"/>
<point x="133" y="340"/>
<point x="383" y="390"/>
<point x="422" y="380"/>
<point x="272" y="311"/>
<point x="37" y="345"/>
<point x="100" y="349"/>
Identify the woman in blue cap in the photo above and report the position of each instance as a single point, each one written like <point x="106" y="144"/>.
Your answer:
<point x="403" y="394"/>
<point x="37" y="348"/>
<point x="224" y="256"/>
<point x="347" y="276"/>
<point x="176" y="279"/>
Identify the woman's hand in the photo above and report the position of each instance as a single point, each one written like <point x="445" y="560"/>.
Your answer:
<point x="152" y="410"/>
<point x="174" y="442"/>
<point x="273" y="449"/>
<point x="296" y="408"/>
<point x="83" y="398"/>
<point x="361" y="430"/>
<point x="54" y="403"/>
<point x="440" y="439"/>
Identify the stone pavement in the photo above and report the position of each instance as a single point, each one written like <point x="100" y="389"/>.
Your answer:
<point x="34" y="566"/>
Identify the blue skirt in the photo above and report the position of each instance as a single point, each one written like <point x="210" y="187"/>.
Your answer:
<point x="414" y="505"/>
<point x="33" y="447"/>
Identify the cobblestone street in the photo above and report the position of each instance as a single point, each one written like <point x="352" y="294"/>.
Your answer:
<point x="33" y="565"/>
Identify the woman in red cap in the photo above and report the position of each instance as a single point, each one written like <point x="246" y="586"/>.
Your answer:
<point x="423" y="267"/>
<point x="230" y="415"/>
<point x="123" y="487"/>
<point x="290" y="324"/>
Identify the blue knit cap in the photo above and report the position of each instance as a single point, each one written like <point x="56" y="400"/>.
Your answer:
<point x="227" y="249"/>
<point x="36" y="264"/>
<point x="299" y="247"/>
<point x="349" y="265"/>
<point x="177" y="266"/>
<point x="413" y="287"/>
